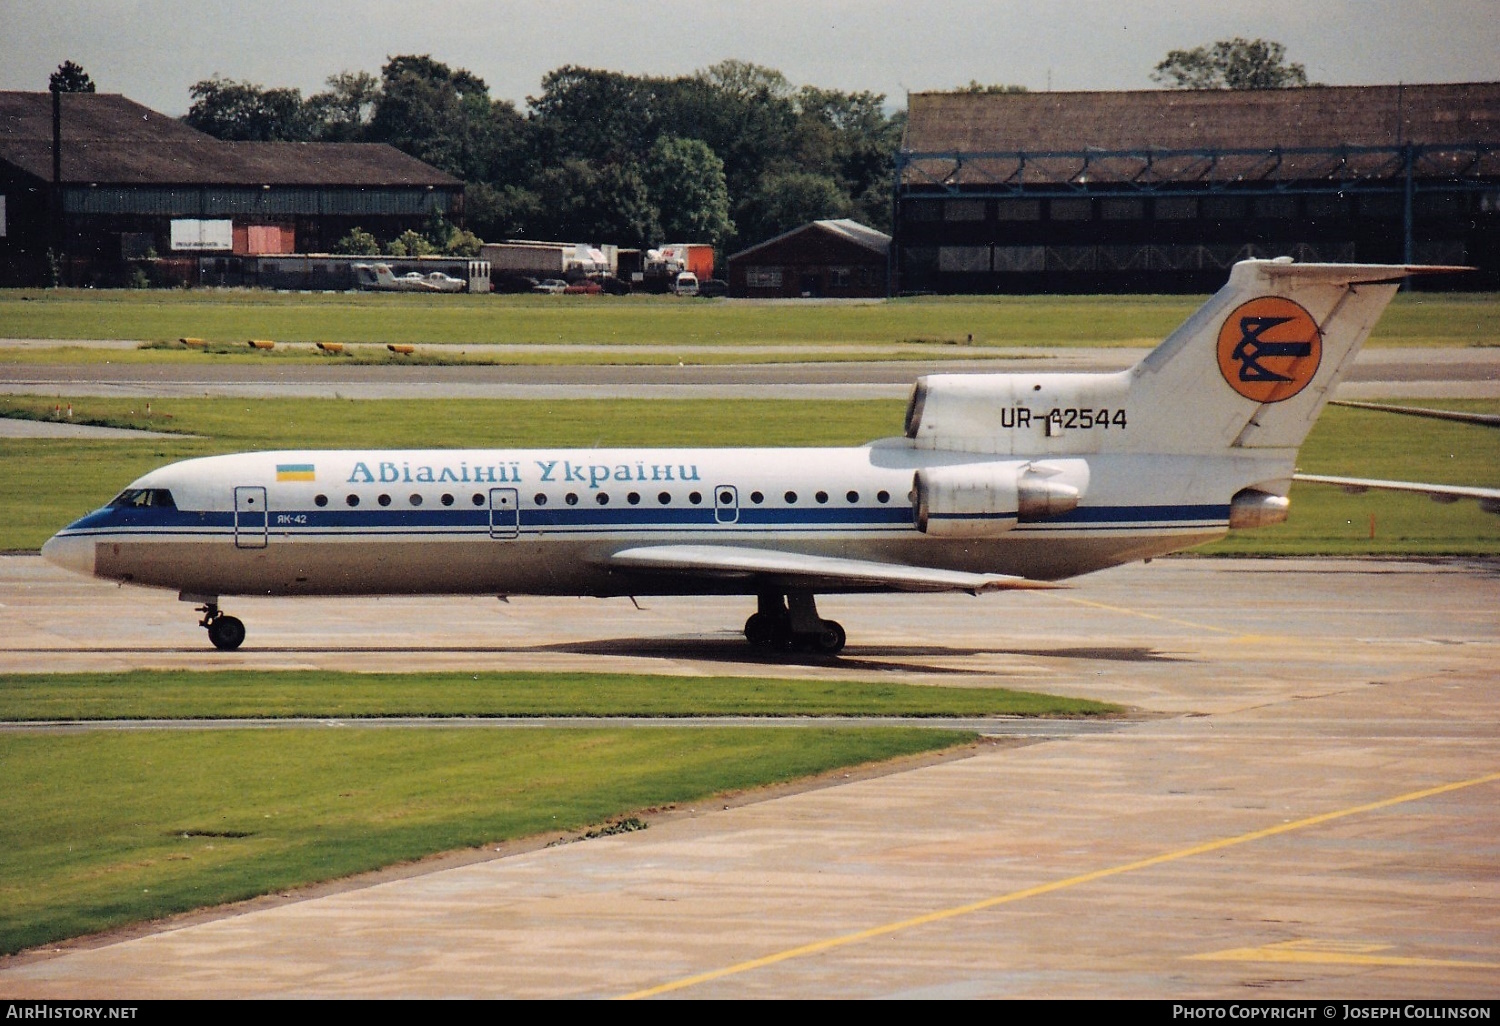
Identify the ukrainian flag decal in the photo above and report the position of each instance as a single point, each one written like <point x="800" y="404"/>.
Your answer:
<point x="295" y="472"/>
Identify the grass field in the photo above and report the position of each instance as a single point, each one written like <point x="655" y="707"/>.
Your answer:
<point x="103" y="829"/>
<point x="233" y="316"/>
<point x="318" y="694"/>
<point x="108" y="828"/>
<point x="46" y="483"/>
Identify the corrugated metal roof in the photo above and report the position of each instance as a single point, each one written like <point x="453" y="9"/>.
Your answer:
<point x="1101" y="123"/>
<point x="109" y="139"/>
<point x="860" y="234"/>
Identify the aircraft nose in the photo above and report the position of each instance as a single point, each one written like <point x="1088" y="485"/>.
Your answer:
<point x="70" y="552"/>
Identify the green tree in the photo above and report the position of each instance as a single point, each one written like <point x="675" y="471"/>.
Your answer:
<point x="584" y="202"/>
<point x="463" y="243"/>
<point x="976" y="86"/>
<point x="850" y="138"/>
<point x="342" y="113"/>
<point x="598" y="116"/>
<point x="70" y="78"/>
<point x="357" y="243"/>
<point x="438" y="229"/>
<point x="1236" y="63"/>
<point x="686" y="182"/>
<point x="409" y="243"/>
<point x="782" y="201"/>
<point x="243" y="111"/>
<point x="501" y="212"/>
<point x="446" y="118"/>
<point x="745" y="113"/>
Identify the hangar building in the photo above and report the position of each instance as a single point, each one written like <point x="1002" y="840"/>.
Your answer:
<point x="132" y="180"/>
<point x="1162" y="190"/>
<point x="822" y="258"/>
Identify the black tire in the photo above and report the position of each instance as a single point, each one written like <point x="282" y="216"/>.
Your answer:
<point x="760" y="630"/>
<point x="830" y="639"/>
<point x="227" y="633"/>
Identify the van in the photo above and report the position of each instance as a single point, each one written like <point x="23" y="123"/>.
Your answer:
<point x="686" y="284"/>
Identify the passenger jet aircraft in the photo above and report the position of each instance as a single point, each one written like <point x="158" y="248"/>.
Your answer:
<point x="1002" y="481"/>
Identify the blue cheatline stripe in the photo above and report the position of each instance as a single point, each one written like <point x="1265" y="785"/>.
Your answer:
<point x="1114" y="514"/>
<point x="578" y="519"/>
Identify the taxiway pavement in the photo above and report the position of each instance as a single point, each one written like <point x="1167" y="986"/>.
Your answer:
<point x="1471" y="373"/>
<point x="1306" y="809"/>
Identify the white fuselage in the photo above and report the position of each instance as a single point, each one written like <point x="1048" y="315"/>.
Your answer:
<point x="545" y="521"/>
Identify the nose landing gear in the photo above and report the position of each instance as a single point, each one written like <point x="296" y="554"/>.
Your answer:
<point x="226" y="632"/>
<point x="792" y="621"/>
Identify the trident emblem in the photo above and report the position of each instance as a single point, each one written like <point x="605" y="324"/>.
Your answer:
<point x="1251" y="349"/>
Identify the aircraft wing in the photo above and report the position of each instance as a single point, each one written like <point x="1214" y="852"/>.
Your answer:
<point x="1484" y="419"/>
<point x="796" y="570"/>
<point x="1489" y="498"/>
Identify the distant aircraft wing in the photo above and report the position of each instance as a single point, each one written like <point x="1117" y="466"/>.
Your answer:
<point x="796" y="570"/>
<point x="1489" y="498"/>
<point x="1483" y="419"/>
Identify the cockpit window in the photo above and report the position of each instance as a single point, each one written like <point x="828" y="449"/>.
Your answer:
<point x="158" y="497"/>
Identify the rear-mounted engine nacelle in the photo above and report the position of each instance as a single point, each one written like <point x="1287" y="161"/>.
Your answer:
<point x="987" y="500"/>
<point x="1252" y="507"/>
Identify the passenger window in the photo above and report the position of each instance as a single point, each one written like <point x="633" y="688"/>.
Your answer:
<point x="853" y="496"/>
<point x="757" y="498"/>
<point x="791" y="497"/>
<point x="352" y="499"/>
<point x="634" y="498"/>
<point x="415" y="499"/>
<point x="664" y="498"/>
<point x="883" y="496"/>
<point x="695" y="497"/>
<point x="384" y="500"/>
<point x="320" y="500"/>
<point x="540" y="499"/>
<point x="726" y="498"/>
<point x="821" y="497"/>
<point x="478" y="499"/>
<point x="447" y="499"/>
<point x="571" y="498"/>
<point x="602" y="498"/>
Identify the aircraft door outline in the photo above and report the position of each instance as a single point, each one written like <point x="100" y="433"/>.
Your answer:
<point x="726" y="504"/>
<point x="252" y="521"/>
<point x="505" y="513"/>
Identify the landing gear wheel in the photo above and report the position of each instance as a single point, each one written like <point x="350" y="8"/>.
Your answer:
<point x="763" y="630"/>
<point x="830" y="638"/>
<point x="226" y="632"/>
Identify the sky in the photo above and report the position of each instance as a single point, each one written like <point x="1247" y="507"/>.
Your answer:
<point x="154" y="50"/>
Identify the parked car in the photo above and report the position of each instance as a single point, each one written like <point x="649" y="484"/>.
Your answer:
<point x="612" y="285"/>
<point x="553" y="286"/>
<point x="584" y="288"/>
<point x="712" y="288"/>
<point x="513" y="283"/>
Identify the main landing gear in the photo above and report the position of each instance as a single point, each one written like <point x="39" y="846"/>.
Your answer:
<point x="226" y="632"/>
<point x="792" y="621"/>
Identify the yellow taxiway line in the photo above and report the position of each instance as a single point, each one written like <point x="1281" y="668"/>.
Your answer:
<point x="1148" y="616"/>
<point x="847" y="939"/>
<point x="1334" y="953"/>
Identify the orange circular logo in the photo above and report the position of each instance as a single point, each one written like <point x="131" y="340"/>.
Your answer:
<point x="1269" y="349"/>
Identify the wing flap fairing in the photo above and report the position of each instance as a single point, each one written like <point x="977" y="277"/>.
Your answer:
<point x="799" y="570"/>
<point x="1489" y="498"/>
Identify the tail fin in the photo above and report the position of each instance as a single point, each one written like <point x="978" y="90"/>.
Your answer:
<point x="1253" y="367"/>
